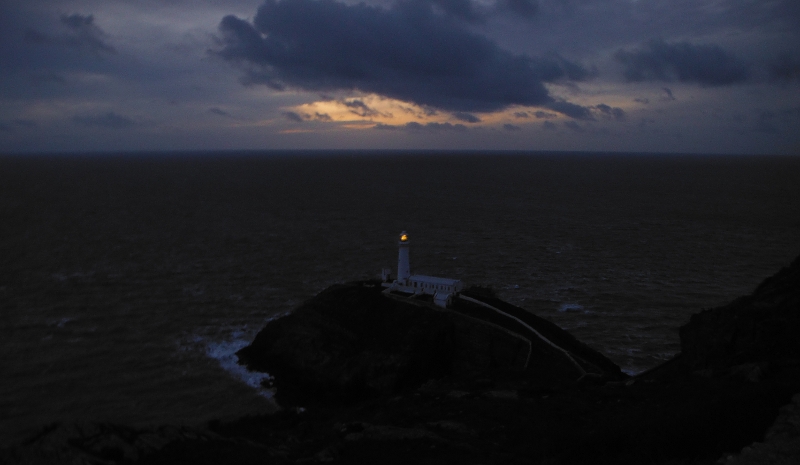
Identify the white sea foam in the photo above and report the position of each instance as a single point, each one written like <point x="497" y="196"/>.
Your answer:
<point x="570" y="308"/>
<point x="225" y="353"/>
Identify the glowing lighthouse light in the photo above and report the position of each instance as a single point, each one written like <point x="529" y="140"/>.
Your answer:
<point x="442" y="289"/>
<point x="403" y="265"/>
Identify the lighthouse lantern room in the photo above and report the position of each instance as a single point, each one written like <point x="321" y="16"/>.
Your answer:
<point x="403" y="266"/>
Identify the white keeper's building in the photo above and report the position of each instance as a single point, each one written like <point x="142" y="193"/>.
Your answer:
<point x="442" y="289"/>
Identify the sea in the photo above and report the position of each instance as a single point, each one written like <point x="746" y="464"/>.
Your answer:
<point x="129" y="280"/>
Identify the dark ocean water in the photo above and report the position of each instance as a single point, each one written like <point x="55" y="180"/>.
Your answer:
<point x="128" y="281"/>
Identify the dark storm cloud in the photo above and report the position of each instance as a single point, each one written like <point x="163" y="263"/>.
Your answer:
<point x="549" y="125"/>
<point x="108" y="120"/>
<point x="466" y="117"/>
<point x="571" y="70"/>
<point x="322" y="117"/>
<point x="668" y="96"/>
<point x="82" y="33"/>
<point x="708" y="65"/>
<point x="521" y="114"/>
<point x="572" y="110"/>
<point x="405" y="52"/>
<point x="511" y="127"/>
<point x="614" y="112"/>
<point x="292" y="116"/>
<point x="544" y="115"/>
<point x="359" y="108"/>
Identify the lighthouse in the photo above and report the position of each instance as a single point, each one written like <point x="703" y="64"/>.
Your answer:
<point x="403" y="264"/>
<point x="441" y="289"/>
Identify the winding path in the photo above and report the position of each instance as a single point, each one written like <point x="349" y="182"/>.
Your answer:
<point x="530" y="328"/>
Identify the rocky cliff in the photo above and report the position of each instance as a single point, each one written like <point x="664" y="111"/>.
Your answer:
<point x="755" y="331"/>
<point x="353" y="341"/>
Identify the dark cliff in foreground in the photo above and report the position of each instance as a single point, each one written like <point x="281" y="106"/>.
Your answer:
<point x="398" y="382"/>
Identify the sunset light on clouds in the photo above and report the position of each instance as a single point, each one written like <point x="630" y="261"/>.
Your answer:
<point x="607" y="75"/>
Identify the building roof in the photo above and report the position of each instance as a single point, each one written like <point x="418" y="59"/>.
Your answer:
<point x="434" y="280"/>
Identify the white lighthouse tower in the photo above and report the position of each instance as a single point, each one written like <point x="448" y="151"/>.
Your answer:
<point x="403" y="263"/>
<point x="442" y="289"/>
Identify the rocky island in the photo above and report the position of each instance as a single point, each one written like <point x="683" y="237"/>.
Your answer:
<point x="353" y="342"/>
<point x="367" y="377"/>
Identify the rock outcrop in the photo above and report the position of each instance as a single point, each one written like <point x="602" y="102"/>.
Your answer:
<point x="354" y="341"/>
<point x="751" y="333"/>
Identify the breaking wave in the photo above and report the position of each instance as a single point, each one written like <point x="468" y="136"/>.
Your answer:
<point x="225" y="354"/>
<point x="570" y="308"/>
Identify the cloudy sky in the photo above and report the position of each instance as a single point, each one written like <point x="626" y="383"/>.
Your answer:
<point x="698" y="76"/>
